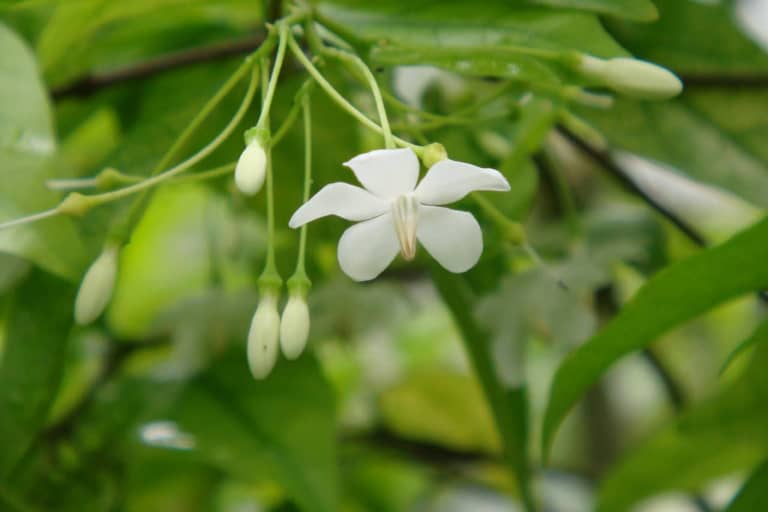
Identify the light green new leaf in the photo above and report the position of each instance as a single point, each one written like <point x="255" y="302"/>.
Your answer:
<point x="719" y="436"/>
<point x="32" y="361"/>
<point x="754" y="494"/>
<point x="27" y="147"/>
<point x="279" y="429"/>
<point x="676" y="294"/>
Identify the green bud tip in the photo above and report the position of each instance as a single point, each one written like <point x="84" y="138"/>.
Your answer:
<point x="75" y="204"/>
<point x="433" y="153"/>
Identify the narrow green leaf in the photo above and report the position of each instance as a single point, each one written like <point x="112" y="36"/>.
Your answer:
<point x="32" y="361"/>
<point x="281" y="428"/>
<point x="676" y="294"/>
<point x="716" y="437"/>
<point x="754" y="494"/>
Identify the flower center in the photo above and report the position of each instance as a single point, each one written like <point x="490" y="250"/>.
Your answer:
<point x="405" y="212"/>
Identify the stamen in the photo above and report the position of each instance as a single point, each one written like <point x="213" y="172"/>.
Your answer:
<point x="405" y="212"/>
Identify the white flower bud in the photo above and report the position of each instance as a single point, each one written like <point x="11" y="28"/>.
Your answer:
<point x="251" y="169"/>
<point x="294" y="326"/>
<point x="262" y="337"/>
<point x="632" y="77"/>
<point x="97" y="286"/>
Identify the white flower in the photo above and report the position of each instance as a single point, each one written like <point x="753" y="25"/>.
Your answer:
<point x="97" y="286"/>
<point x="262" y="337"/>
<point x="294" y="326"/>
<point x="251" y="169"/>
<point x="396" y="213"/>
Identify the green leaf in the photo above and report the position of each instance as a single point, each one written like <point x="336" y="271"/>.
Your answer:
<point x="713" y="43"/>
<point x="467" y="39"/>
<point x="32" y="361"/>
<point x="754" y="494"/>
<point x="636" y="10"/>
<point x="676" y="294"/>
<point x="27" y="148"/>
<point x="719" y="436"/>
<point x="760" y="335"/>
<point x="281" y="428"/>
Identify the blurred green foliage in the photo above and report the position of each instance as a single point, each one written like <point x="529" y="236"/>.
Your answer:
<point x="422" y="390"/>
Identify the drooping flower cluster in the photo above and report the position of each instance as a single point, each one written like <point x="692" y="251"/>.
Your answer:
<point x="394" y="212"/>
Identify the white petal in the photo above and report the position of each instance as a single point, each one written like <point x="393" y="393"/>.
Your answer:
<point x="367" y="248"/>
<point x="342" y="199"/>
<point x="387" y="173"/>
<point x="448" y="181"/>
<point x="452" y="237"/>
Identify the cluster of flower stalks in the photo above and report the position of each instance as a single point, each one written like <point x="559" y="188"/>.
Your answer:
<point x="394" y="211"/>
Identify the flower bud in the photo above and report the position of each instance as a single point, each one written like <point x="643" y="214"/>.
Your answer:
<point x="433" y="153"/>
<point x="632" y="77"/>
<point x="262" y="337"/>
<point x="251" y="168"/>
<point x="96" y="287"/>
<point x="294" y="326"/>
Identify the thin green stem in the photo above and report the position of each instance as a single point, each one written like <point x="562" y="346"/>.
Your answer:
<point x="307" y="114"/>
<point x="340" y="100"/>
<point x="106" y="197"/>
<point x="29" y="218"/>
<point x="269" y="91"/>
<point x="293" y="113"/>
<point x="358" y="63"/>
<point x="222" y="170"/>
<point x="270" y="277"/>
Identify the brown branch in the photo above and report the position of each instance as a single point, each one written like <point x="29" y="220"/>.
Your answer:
<point x="90" y="84"/>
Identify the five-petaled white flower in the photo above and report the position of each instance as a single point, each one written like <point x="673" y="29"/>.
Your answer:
<point x="395" y="212"/>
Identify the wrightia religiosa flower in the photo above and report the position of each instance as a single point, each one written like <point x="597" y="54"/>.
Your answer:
<point x="263" y="336"/>
<point x="396" y="213"/>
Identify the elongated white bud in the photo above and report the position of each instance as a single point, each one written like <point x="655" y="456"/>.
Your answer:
<point x="97" y="286"/>
<point x="251" y="169"/>
<point x="632" y="77"/>
<point x="294" y="326"/>
<point x="263" y="337"/>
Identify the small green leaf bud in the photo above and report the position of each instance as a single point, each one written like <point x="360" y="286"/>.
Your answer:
<point x="294" y="326"/>
<point x="97" y="286"/>
<point x="251" y="168"/>
<point x="632" y="77"/>
<point x="263" y="337"/>
<point x="433" y="153"/>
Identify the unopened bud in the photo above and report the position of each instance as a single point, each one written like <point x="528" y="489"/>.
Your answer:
<point x="294" y="326"/>
<point x="632" y="77"/>
<point x="263" y="337"/>
<point x="251" y="168"/>
<point x="97" y="286"/>
<point x="433" y="153"/>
